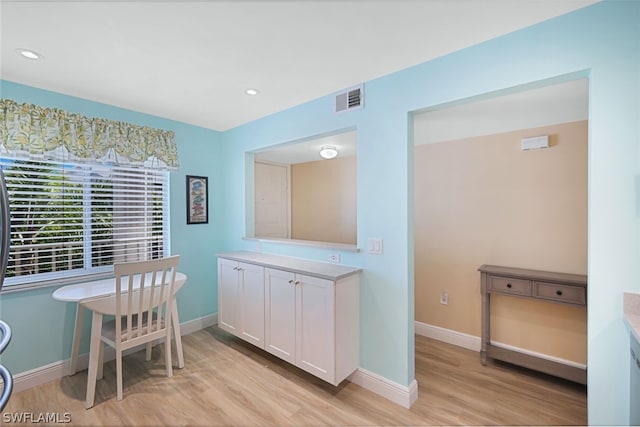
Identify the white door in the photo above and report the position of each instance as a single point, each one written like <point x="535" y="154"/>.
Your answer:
<point x="280" y="314"/>
<point x="315" y="320"/>
<point x="271" y="200"/>
<point x="252" y="303"/>
<point x="228" y="295"/>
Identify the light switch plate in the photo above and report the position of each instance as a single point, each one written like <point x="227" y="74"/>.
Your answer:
<point x="374" y="245"/>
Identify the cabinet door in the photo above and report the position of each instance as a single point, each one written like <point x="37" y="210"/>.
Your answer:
<point x="315" y="322"/>
<point x="228" y="295"/>
<point x="280" y="314"/>
<point x="252" y="303"/>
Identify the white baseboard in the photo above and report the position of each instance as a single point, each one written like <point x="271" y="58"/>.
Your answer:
<point x="195" y="325"/>
<point x="57" y="370"/>
<point x="40" y="375"/>
<point x="471" y="342"/>
<point x="402" y="395"/>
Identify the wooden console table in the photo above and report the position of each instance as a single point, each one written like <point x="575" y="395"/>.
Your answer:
<point x="540" y="285"/>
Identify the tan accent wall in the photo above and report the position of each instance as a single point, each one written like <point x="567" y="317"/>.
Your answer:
<point x="323" y="200"/>
<point x="484" y="201"/>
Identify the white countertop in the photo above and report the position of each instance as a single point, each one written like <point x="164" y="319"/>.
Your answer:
<point x="323" y="270"/>
<point x="631" y="311"/>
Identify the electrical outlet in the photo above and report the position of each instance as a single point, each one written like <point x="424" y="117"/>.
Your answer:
<point x="444" y="298"/>
<point x="334" y="257"/>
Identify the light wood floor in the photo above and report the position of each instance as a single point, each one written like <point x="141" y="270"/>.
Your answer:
<point x="227" y="382"/>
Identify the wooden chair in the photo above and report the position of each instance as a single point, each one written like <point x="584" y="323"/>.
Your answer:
<point x="142" y="308"/>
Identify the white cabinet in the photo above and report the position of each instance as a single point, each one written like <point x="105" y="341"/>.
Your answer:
<point x="634" y="382"/>
<point x="300" y="323"/>
<point x="241" y="300"/>
<point x="313" y="322"/>
<point x="280" y="314"/>
<point x="310" y="315"/>
<point x="316" y="327"/>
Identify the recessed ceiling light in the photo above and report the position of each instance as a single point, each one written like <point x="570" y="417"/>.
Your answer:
<point x="29" y="54"/>
<point x="251" y="91"/>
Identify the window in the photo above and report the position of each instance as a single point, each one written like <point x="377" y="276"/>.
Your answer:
<point x="70" y="220"/>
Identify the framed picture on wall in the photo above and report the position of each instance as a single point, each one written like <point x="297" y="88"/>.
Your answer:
<point x="197" y="200"/>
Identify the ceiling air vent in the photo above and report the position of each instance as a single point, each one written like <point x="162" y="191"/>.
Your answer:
<point x="350" y="99"/>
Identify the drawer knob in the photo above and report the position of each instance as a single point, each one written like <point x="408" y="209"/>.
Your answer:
<point x="509" y="285"/>
<point x="559" y="292"/>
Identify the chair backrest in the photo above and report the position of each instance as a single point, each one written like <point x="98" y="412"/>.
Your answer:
<point x="144" y="294"/>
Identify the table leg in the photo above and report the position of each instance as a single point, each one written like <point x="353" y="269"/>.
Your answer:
<point x="77" y="335"/>
<point x="177" y="335"/>
<point x="94" y="358"/>
<point x="486" y="328"/>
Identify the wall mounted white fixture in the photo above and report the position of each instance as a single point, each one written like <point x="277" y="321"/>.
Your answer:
<point x="534" y="142"/>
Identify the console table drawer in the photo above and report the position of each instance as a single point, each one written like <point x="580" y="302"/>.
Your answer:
<point x="510" y="286"/>
<point x="560" y="293"/>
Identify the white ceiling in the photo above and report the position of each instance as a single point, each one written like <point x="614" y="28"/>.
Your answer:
<point x="309" y="150"/>
<point x="192" y="60"/>
<point x="549" y="105"/>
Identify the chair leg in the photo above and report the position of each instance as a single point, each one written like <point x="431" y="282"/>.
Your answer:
<point x="167" y="353"/>
<point x="101" y="360"/>
<point x="148" y="351"/>
<point x="175" y="323"/>
<point x="94" y="355"/>
<point x="119" y="372"/>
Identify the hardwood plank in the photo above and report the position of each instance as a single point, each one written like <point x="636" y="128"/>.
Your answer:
<point x="229" y="382"/>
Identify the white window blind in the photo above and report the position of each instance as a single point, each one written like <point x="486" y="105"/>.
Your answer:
<point x="70" y="220"/>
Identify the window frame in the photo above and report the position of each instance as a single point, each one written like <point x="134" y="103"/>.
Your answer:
<point x="84" y="174"/>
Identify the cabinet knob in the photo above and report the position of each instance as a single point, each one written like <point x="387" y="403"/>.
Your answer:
<point x="235" y="268"/>
<point x="509" y="285"/>
<point x="559" y="292"/>
<point x="297" y="282"/>
<point x="291" y="281"/>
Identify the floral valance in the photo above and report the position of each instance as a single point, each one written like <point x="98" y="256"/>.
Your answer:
<point x="35" y="132"/>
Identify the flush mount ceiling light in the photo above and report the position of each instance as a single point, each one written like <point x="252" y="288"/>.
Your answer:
<point x="328" y="152"/>
<point x="29" y="54"/>
<point x="252" y="91"/>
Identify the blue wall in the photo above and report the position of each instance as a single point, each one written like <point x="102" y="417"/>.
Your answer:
<point x="43" y="328"/>
<point x="601" y="42"/>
